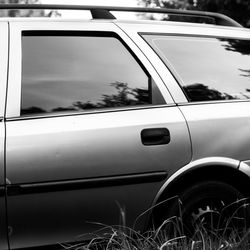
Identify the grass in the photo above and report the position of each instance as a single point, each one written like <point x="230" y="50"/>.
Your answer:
<point x="225" y="235"/>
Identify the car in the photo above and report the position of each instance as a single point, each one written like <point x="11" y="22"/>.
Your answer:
<point x="104" y="114"/>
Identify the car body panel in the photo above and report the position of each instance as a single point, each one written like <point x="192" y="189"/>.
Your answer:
<point x="76" y="139"/>
<point x="3" y="85"/>
<point x="3" y="65"/>
<point x="71" y="216"/>
<point x="219" y="129"/>
<point x="3" y="221"/>
<point x="85" y="147"/>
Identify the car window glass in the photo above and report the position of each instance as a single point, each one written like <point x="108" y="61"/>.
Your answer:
<point x="209" y="68"/>
<point x="80" y="72"/>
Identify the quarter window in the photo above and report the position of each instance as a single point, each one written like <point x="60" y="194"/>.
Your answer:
<point x="66" y="72"/>
<point x="209" y="69"/>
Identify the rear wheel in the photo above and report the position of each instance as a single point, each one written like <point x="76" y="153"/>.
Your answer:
<point x="213" y="207"/>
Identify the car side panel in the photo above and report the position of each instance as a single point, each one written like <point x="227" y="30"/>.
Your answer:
<point x="69" y="147"/>
<point x="91" y="149"/>
<point x="3" y="83"/>
<point x="219" y="129"/>
<point x="3" y="217"/>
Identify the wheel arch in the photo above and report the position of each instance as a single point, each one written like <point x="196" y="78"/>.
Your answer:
<point x="214" y="168"/>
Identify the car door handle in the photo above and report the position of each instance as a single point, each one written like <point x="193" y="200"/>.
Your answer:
<point x="155" y="136"/>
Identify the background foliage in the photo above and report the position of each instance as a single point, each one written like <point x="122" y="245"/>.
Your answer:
<point x="25" y="13"/>
<point x="239" y="10"/>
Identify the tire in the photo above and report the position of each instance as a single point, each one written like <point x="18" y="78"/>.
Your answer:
<point x="213" y="206"/>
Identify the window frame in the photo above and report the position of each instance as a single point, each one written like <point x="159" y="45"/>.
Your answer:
<point x="97" y="34"/>
<point x="15" y="63"/>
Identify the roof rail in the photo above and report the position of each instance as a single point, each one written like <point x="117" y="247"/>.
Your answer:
<point x="103" y="12"/>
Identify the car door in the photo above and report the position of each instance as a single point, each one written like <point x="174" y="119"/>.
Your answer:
<point x="90" y="128"/>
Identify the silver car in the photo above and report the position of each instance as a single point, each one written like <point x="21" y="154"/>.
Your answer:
<point x="104" y="113"/>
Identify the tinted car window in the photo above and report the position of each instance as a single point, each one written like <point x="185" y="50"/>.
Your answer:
<point x="209" y="68"/>
<point x="80" y="72"/>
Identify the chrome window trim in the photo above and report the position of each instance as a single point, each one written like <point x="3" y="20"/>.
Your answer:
<point x="195" y="35"/>
<point x="88" y="112"/>
<point x="212" y="102"/>
<point x="16" y="28"/>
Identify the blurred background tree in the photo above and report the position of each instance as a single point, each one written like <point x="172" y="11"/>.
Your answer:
<point x="25" y="13"/>
<point x="239" y="10"/>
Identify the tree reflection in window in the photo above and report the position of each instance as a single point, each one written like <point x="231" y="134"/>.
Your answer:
<point x="200" y="92"/>
<point x="239" y="46"/>
<point x="245" y="72"/>
<point x="125" y="96"/>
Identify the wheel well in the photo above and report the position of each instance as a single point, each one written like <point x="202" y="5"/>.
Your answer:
<point x="225" y="174"/>
<point x="169" y="206"/>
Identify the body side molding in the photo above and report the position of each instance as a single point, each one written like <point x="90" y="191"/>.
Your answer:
<point x="55" y="186"/>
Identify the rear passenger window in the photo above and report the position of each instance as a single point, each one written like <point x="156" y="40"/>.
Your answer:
<point x="64" y="72"/>
<point x="210" y="69"/>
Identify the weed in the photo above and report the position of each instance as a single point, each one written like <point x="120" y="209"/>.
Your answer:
<point x="228" y="233"/>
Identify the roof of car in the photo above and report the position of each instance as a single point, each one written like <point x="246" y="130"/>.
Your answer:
<point x="149" y="26"/>
<point x="223" y="26"/>
<point x="104" y="12"/>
